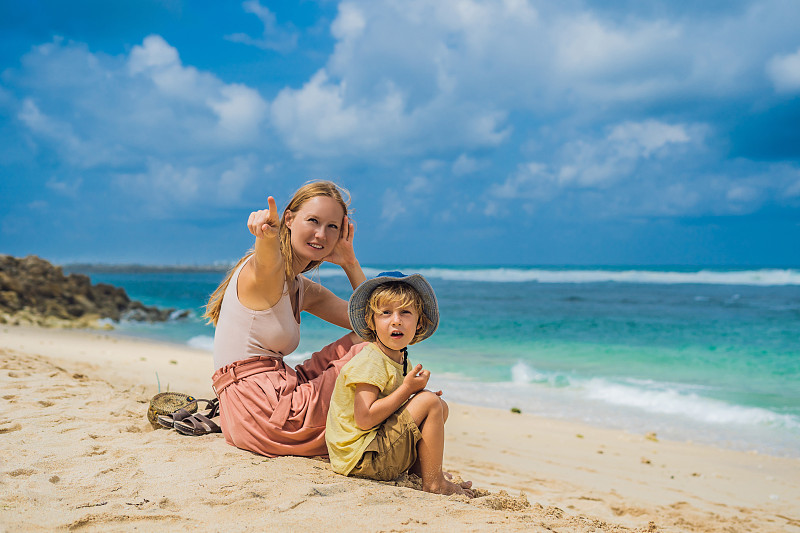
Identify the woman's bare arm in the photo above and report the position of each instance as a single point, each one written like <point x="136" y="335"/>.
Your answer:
<point x="321" y="302"/>
<point x="344" y="255"/>
<point x="261" y="280"/>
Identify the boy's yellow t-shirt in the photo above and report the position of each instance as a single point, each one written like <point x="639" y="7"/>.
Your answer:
<point x="346" y="442"/>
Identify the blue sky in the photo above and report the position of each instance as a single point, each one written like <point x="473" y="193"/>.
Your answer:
<point x="468" y="132"/>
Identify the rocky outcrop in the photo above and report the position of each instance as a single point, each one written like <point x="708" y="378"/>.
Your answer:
<point x="33" y="291"/>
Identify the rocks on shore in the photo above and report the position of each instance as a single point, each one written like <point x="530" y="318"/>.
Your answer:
<point x="34" y="291"/>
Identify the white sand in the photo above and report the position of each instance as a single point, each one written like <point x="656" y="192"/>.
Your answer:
<point x="77" y="453"/>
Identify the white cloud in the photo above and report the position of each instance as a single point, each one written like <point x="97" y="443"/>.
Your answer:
<point x="319" y="120"/>
<point x="163" y="186"/>
<point x="784" y="72"/>
<point x="465" y="164"/>
<point x="145" y="111"/>
<point x="407" y="194"/>
<point x="636" y="139"/>
<point x="573" y="96"/>
<point x="315" y="118"/>
<point x="588" y="47"/>
<point x="736" y="188"/>
<point x="153" y="53"/>
<point x="456" y="72"/>
<point x="624" y="172"/>
<point x="115" y="109"/>
<point x="234" y="181"/>
<point x="532" y="180"/>
<point x="389" y="86"/>
<point x="349" y="23"/>
<point x="792" y="190"/>
<point x="392" y="206"/>
<point x="159" y="62"/>
<point x="78" y="151"/>
<point x="492" y="209"/>
<point x="65" y="187"/>
<point x="431" y="165"/>
<point x="47" y="127"/>
<point x="240" y="109"/>
<point x="741" y="193"/>
<point x="273" y="37"/>
<point x="418" y="184"/>
<point x="525" y="55"/>
<point x="603" y="162"/>
<point x="672" y="199"/>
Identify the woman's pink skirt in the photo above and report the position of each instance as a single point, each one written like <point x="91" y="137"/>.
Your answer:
<point x="271" y="409"/>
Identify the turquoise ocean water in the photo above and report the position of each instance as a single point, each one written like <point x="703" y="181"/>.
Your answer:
<point x="710" y="356"/>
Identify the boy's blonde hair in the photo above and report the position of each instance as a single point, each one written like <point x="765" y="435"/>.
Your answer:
<point x="401" y="294"/>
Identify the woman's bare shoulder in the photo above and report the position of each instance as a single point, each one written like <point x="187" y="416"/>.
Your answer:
<point x="259" y="289"/>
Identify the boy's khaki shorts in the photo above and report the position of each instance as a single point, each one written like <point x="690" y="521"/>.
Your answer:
<point x="392" y="451"/>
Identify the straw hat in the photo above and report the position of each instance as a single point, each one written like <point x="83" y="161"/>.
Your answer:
<point x="357" y="306"/>
<point x="166" y="403"/>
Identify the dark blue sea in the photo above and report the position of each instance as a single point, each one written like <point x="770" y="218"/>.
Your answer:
<point x="710" y="356"/>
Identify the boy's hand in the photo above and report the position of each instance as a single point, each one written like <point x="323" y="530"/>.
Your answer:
<point x="417" y="379"/>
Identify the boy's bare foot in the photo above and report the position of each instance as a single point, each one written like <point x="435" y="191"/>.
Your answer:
<point x="448" y="487"/>
<point x="463" y="484"/>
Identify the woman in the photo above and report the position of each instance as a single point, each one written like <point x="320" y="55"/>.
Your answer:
<point x="265" y="406"/>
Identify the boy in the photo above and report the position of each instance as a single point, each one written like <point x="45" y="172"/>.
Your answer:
<point x="370" y="432"/>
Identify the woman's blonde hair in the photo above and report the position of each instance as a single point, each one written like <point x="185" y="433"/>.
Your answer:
<point x="310" y="190"/>
<point x="404" y="296"/>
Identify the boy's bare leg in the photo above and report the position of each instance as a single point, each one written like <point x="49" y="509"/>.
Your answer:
<point x="448" y="475"/>
<point x="428" y="413"/>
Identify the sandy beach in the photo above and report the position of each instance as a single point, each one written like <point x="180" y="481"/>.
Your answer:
<point x="77" y="453"/>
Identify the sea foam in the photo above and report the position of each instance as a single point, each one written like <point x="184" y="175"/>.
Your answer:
<point x="655" y="397"/>
<point x="205" y="342"/>
<point x="761" y="277"/>
<point x="522" y="373"/>
<point x="674" y="411"/>
<point x="296" y="358"/>
<point x="202" y="342"/>
<point x="665" y="399"/>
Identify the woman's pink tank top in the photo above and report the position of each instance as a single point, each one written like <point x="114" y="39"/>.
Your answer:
<point x="243" y="333"/>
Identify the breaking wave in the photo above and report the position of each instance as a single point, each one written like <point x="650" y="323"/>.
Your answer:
<point x="760" y="277"/>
